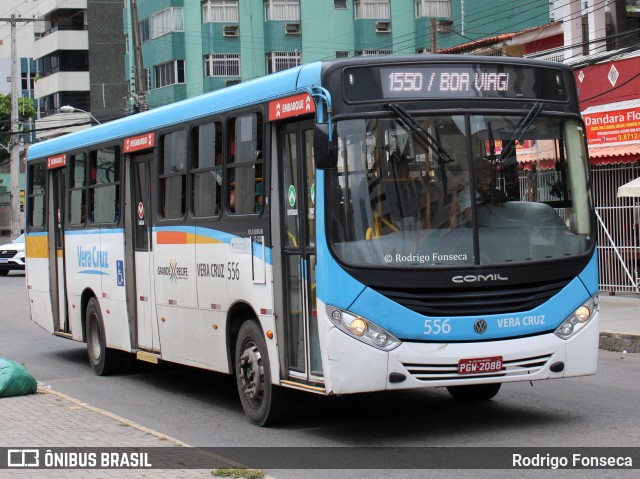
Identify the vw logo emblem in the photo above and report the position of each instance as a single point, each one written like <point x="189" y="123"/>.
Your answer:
<point x="480" y="326"/>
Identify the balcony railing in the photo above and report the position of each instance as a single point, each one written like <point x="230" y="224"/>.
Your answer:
<point x="79" y="28"/>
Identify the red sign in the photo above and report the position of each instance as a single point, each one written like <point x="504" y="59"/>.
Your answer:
<point x="140" y="210"/>
<point x="291" y="106"/>
<point x="57" y="161"/>
<point x="613" y="126"/>
<point x="140" y="142"/>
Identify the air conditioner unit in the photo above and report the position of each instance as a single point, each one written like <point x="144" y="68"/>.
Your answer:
<point x="383" y="27"/>
<point x="230" y="31"/>
<point x="291" y="28"/>
<point x="445" y="26"/>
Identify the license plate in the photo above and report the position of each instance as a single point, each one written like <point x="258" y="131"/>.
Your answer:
<point x="480" y="365"/>
<point x="4" y="260"/>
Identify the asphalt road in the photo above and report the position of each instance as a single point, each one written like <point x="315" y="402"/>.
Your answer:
<point x="202" y="408"/>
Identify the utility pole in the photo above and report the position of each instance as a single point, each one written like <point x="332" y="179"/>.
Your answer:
<point x="15" y="136"/>
<point x="140" y="81"/>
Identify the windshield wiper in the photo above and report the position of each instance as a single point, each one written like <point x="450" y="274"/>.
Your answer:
<point x="424" y="136"/>
<point x="524" y="123"/>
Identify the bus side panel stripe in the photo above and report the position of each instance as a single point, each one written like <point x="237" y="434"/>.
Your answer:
<point x="37" y="246"/>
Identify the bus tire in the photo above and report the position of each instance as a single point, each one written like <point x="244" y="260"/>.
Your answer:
<point x="263" y="403"/>
<point x="103" y="360"/>
<point x="475" y="392"/>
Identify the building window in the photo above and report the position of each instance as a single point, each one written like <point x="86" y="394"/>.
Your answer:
<point x="427" y="8"/>
<point x="282" y="9"/>
<point x="278" y="61"/>
<point x="144" y="30"/>
<point x="339" y="3"/>
<point x="222" y="65"/>
<point x="173" y="175"/>
<point x="166" y="21"/>
<point x="220" y="11"/>
<point x="169" y="73"/>
<point x="372" y="9"/>
<point x="365" y="53"/>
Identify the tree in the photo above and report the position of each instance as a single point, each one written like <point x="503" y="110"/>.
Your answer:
<point x="26" y="110"/>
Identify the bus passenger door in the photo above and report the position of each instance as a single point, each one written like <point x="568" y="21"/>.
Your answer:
<point x="298" y="254"/>
<point x="56" y="217"/>
<point x="138" y="230"/>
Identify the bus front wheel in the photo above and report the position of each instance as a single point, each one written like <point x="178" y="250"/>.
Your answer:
<point x="263" y="404"/>
<point x="475" y="392"/>
<point x="103" y="360"/>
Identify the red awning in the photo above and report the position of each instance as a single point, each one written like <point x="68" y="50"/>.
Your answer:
<point x="600" y="155"/>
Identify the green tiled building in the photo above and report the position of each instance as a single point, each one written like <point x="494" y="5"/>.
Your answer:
<point x="194" y="46"/>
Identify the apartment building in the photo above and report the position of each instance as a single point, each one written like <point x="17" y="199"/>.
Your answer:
<point x="191" y="46"/>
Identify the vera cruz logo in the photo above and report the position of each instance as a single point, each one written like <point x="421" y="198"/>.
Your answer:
<point x="174" y="271"/>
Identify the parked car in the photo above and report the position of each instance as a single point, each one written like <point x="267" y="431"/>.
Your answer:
<point x="12" y="256"/>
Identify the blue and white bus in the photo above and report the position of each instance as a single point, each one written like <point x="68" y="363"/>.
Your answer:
<point x="365" y="224"/>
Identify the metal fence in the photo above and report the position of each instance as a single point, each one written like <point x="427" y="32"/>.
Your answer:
<point x="618" y="223"/>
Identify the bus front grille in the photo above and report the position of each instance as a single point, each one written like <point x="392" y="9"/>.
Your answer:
<point x="474" y="301"/>
<point x="448" y="372"/>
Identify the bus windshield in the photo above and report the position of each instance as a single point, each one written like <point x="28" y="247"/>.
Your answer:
<point x="416" y="191"/>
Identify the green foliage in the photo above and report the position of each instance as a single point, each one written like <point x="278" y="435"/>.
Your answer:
<point x="26" y="110"/>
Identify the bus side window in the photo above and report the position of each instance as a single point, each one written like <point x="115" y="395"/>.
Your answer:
<point x="206" y="168"/>
<point x="104" y="185"/>
<point x="172" y="174"/>
<point x="244" y="168"/>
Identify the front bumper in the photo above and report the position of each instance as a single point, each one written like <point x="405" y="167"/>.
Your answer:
<point x="352" y="367"/>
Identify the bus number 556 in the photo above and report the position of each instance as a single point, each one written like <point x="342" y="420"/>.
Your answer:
<point x="437" y="326"/>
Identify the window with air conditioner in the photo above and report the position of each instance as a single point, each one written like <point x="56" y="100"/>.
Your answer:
<point x="383" y="27"/>
<point x="230" y="31"/>
<point x="291" y="28"/>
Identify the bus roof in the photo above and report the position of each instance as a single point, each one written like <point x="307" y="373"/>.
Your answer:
<point x="247" y="93"/>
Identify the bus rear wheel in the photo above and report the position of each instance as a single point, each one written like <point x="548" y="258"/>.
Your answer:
<point x="263" y="404"/>
<point x="103" y="360"/>
<point x="475" y="392"/>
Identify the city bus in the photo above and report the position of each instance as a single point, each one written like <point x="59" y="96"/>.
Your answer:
<point x="348" y="226"/>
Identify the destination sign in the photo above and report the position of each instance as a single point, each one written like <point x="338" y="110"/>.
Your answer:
<point x="451" y="81"/>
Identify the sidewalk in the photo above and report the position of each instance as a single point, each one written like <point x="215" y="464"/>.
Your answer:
<point x="620" y="322"/>
<point x="51" y="419"/>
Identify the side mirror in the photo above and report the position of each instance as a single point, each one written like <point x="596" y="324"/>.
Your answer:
<point x="324" y="150"/>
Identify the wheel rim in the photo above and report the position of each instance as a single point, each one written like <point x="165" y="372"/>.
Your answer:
<point x="251" y="374"/>
<point x="94" y="339"/>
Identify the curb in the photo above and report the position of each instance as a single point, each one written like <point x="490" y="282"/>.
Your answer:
<point x="115" y="417"/>
<point x="629" y="343"/>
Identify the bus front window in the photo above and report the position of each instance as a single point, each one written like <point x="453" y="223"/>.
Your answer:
<point x="487" y="190"/>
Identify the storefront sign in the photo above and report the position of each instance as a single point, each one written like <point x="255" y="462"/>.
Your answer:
<point x="614" y="126"/>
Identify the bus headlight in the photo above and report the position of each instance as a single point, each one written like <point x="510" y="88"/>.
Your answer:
<point x="362" y="329"/>
<point x="578" y="319"/>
